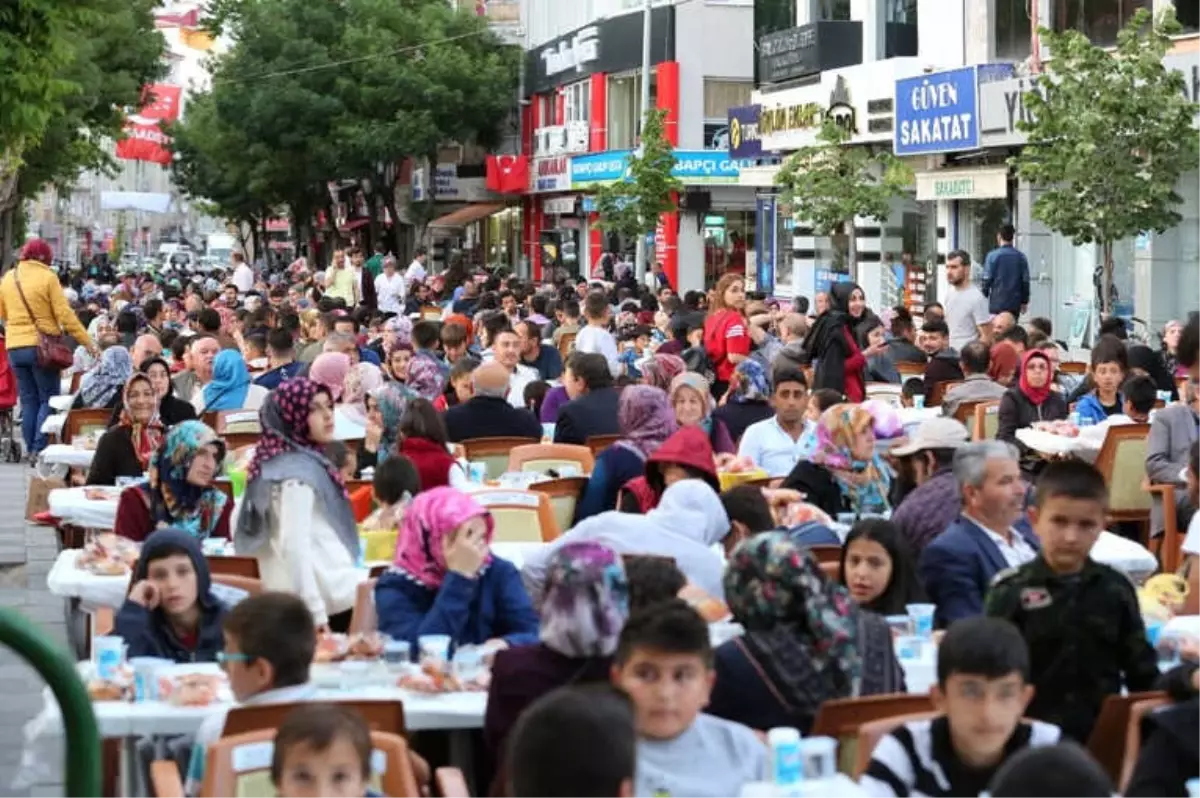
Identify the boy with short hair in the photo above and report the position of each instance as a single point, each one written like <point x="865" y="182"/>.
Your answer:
<point x="270" y="641"/>
<point x="1110" y="363"/>
<point x="943" y="365"/>
<point x="1080" y="618"/>
<point x="322" y="750"/>
<point x="664" y="662"/>
<point x="595" y="337"/>
<point x="982" y="691"/>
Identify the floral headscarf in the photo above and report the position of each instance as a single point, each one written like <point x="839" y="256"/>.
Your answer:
<point x="752" y="383"/>
<point x="802" y="628"/>
<point x="173" y="501"/>
<point x="397" y="330"/>
<point x="425" y="377"/>
<point x="864" y="483"/>
<point x="391" y="400"/>
<point x="106" y="381"/>
<point x="284" y="421"/>
<point x="362" y="380"/>
<point x="428" y="521"/>
<point x="230" y="382"/>
<point x="585" y="601"/>
<point x="146" y="437"/>
<point x="661" y="369"/>
<point x="697" y="383"/>
<point x="329" y="371"/>
<point x="645" y="418"/>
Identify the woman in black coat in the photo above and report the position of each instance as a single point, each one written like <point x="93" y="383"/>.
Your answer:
<point x="1031" y="399"/>
<point x="171" y="409"/>
<point x="124" y="449"/>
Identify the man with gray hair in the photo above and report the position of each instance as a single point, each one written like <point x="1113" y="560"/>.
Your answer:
<point x="989" y="536"/>
<point x="488" y="414"/>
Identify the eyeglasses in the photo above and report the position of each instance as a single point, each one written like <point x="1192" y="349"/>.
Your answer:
<point x="225" y="657"/>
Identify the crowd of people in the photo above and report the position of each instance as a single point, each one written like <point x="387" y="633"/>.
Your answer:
<point x="603" y="677"/>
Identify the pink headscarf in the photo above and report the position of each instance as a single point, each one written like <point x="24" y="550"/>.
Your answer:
<point x="361" y="381"/>
<point x="329" y="370"/>
<point x="428" y="521"/>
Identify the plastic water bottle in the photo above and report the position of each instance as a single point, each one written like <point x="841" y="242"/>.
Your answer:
<point x="1074" y="417"/>
<point x="787" y="760"/>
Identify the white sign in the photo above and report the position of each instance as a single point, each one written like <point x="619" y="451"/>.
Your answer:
<point x="547" y="175"/>
<point x="959" y="184"/>
<point x="448" y="186"/>
<point x="583" y="48"/>
<point x="559" y="206"/>
<point x="558" y="139"/>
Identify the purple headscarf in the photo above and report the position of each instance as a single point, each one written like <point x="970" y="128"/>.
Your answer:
<point x="646" y="419"/>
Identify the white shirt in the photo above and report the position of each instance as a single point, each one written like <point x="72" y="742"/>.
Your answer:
<point x="414" y="272"/>
<point x="243" y="278"/>
<point x="771" y="448"/>
<point x="600" y="341"/>
<point x="966" y="309"/>
<point x="390" y="292"/>
<point x="522" y="376"/>
<point x="1015" y="554"/>
<point x="1191" y="543"/>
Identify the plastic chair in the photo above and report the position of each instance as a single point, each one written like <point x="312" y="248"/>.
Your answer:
<point x="245" y="567"/>
<point x="987" y="420"/>
<point x="1169" y="542"/>
<point x="1133" y="735"/>
<point x="384" y="716"/>
<point x="363" y="618"/>
<point x="564" y="496"/>
<point x="566" y="344"/>
<point x="826" y="553"/>
<point x="76" y="379"/>
<point x="521" y="516"/>
<point x="909" y="369"/>
<point x="85" y="422"/>
<point x="933" y="396"/>
<point x="493" y="452"/>
<point x="1107" y="740"/>
<point x="842" y="718"/>
<point x="1122" y="461"/>
<point x="871" y="732"/>
<point x="545" y="456"/>
<point x="598" y="443"/>
<point x="1073" y="368"/>
<point x="965" y="413"/>
<point x="251" y="586"/>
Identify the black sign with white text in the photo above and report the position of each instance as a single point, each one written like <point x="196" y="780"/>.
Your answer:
<point x="610" y="45"/>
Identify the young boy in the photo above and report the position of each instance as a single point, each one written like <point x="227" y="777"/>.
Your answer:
<point x="634" y="342"/>
<point x="943" y="365"/>
<point x="322" y="750"/>
<point x="1110" y="362"/>
<point x="1080" y="618"/>
<point x="170" y="611"/>
<point x="664" y="662"/>
<point x="269" y="645"/>
<point x="595" y="337"/>
<point x="982" y="691"/>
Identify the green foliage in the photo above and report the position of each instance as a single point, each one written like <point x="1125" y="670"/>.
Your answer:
<point x="830" y="182"/>
<point x="632" y="207"/>
<point x="1110" y="135"/>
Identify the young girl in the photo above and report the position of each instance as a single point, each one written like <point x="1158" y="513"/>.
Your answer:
<point x="877" y="568"/>
<point x="446" y="581"/>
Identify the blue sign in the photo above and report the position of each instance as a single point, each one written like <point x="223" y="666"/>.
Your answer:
<point x="694" y="167"/>
<point x="937" y="113"/>
<point x="823" y="280"/>
<point x="744" y="140"/>
<point x="767" y="242"/>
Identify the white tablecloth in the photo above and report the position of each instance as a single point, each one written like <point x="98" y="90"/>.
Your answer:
<point x="68" y="455"/>
<point x="911" y="416"/>
<point x="1084" y="447"/>
<point x="1125" y="555"/>
<point x="67" y="580"/>
<point x="53" y="425"/>
<point x="62" y="403"/>
<point x="73" y="507"/>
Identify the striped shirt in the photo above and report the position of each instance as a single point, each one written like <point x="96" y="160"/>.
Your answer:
<point x="919" y="759"/>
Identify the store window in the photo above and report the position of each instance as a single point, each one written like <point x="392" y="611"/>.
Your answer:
<point x="577" y="100"/>
<point x="1099" y="20"/>
<point x="1013" y="30"/>
<point x="833" y="10"/>
<point x="903" y="12"/>
<point x="1188" y="14"/>
<point x="624" y="110"/>
<point x="772" y="16"/>
<point x="728" y="236"/>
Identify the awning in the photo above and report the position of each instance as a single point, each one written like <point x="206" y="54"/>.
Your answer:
<point x="471" y="213"/>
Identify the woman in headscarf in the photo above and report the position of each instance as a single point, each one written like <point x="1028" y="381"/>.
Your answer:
<point x="425" y="378"/>
<point x="397" y="331"/>
<point x="171" y="409"/>
<point x="691" y="399"/>
<point x="329" y="371"/>
<point x="125" y="449"/>
<point x="179" y="491"/>
<point x="231" y="387"/>
<point x="1002" y="363"/>
<point x="748" y="400"/>
<point x="840" y="364"/>
<point x="102" y="386"/>
<point x="446" y="581"/>
<point x="362" y="381"/>
<point x="584" y="606"/>
<point x="1031" y="399"/>
<point x="844" y="474"/>
<point x="661" y="369"/>
<point x="806" y="642"/>
<point x="383" y="424"/>
<point x="296" y="518"/>
<point x="645" y="418"/>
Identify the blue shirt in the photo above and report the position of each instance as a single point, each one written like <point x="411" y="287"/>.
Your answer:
<point x="272" y="379"/>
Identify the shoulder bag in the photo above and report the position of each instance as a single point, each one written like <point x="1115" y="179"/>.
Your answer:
<point x="53" y="351"/>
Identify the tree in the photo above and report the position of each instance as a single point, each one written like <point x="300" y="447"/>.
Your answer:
<point x="831" y="182"/>
<point x="1110" y="135"/>
<point x="631" y="207"/>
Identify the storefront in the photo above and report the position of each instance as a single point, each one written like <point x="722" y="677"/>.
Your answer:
<point x="473" y="223"/>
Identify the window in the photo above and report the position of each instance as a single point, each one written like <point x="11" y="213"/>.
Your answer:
<point x="577" y="101"/>
<point x="1188" y="14"/>
<point x="1099" y="20"/>
<point x="1013" y="30"/>
<point x="903" y="12"/>
<point x="834" y="10"/>
<point x="772" y="16"/>
<point x="624" y="110"/>
<point x="721" y="95"/>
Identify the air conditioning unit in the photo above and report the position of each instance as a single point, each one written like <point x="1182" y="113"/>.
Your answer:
<point x="541" y="141"/>
<point x="557" y="139"/>
<point x="578" y="137"/>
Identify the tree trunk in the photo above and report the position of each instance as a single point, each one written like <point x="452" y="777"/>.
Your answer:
<point x="6" y="238"/>
<point x="851" y="249"/>
<point x="241" y="225"/>
<point x="1106" y="278"/>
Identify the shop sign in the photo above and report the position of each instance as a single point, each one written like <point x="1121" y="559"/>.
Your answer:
<point x="448" y="186"/>
<point x="694" y="167"/>
<point x="558" y="139"/>
<point x="550" y="174"/>
<point x="767" y="242"/>
<point x="559" y="206"/>
<point x="808" y="50"/>
<point x="963" y="184"/>
<point x="744" y="141"/>
<point x="610" y="45"/>
<point x="937" y="113"/>
<point x="824" y="279"/>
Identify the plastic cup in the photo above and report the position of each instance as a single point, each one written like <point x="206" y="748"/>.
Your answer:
<point x="548" y="431"/>
<point x="434" y="647"/>
<point x="145" y="677"/>
<point x="908" y="647"/>
<point x="108" y="652"/>
<point x="396" y="655"/>
<point x="900" y="625"/>
<point x="468" y="663"/>
<point x="237" y="479"/>
<point x="477" y="471"/>
<point x="919" y="401"/>
<point x="354" y="674"/>
<point x="1153" y="632"/>
<point x="922" y="619"/>
<point x="819" y="755"/>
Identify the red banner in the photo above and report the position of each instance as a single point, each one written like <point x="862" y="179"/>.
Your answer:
<point x="144" y="138"/>
<point x="160" y="101"/>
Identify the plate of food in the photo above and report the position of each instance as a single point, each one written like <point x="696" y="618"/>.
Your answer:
<point x="108" y="554"/>
<point x="101" y="493"/>
<point x="193" y="689"/>
<point x="434" y="677"/>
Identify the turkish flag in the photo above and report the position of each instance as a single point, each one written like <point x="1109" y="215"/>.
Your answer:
<point x="508" y="174"/>
<point x="161" y="101"/>
<point x="144" y="142"/>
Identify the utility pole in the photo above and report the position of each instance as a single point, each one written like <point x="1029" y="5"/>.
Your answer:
<point x="640" y="252"/>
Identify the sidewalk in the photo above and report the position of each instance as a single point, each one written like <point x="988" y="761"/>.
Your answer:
<point x="26" y="554"/>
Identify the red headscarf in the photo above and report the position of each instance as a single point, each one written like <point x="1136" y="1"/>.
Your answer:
<point x="1036" y="395"/>
<point x="1003" y="362"/>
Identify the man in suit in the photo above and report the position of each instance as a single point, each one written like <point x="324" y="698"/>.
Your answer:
<point x="593" y="406"/>
<point x="488" y="414"/>
<point x="989" y="536"/>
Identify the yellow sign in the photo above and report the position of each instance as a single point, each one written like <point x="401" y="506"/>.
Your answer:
<point x="789" y="117"/>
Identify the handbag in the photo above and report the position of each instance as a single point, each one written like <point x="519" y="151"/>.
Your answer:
<point x="53" y="351"/>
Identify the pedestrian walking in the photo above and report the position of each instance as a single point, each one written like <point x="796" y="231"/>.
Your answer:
<point x="1006" y="275"/>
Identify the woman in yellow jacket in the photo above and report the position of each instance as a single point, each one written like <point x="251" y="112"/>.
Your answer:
<point x="44" y="309"/>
